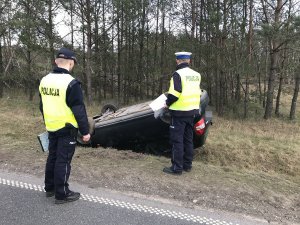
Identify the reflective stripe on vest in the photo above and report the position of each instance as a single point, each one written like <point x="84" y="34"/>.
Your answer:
<point x="53" y="89"/>
<point x="189" y="98"/>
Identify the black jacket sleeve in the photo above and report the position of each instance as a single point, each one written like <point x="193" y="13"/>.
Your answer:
<point x="41" y="106"/>
<point x="177" y="87"/>
<point x="74" y="99"/>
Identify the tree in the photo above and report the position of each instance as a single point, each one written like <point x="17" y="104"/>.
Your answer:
<point x="49" y="30"/>
<point x="250" y="58"/>
<point x="272" y="26"/>
<point x="28" y="26"/>
<point x="295" y="95"/>
<point x="3" y="23"/>
<point x="1" y="69"/>
<point x="244" y="49"/>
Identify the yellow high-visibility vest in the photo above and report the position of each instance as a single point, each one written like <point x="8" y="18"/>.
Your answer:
<point x="189" y="98"/>
<point x="53" y="89"/>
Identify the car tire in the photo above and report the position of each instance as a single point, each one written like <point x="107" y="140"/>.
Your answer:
<point x="108" y="108"/>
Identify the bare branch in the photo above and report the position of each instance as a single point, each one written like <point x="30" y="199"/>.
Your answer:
<point x="273" y="7"/>
<point x="265" y="11"/>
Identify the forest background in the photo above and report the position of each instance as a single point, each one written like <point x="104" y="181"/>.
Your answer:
<point x="247" y="51"/>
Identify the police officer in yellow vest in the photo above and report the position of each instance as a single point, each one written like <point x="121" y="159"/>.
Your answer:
<point x="64" y="113"/>
<point x="183" y="101"/>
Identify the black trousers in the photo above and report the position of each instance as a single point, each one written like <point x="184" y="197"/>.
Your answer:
<point x="58" y="166"/>
<point x="181" y="140"/>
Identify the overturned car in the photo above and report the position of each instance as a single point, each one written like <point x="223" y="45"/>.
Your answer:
<point x="139" y="128"/>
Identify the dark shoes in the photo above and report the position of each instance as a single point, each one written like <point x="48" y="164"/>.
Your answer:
<point x="49" y="194"/>
<point x="187" y="169"/>
<point x="169" y="170"/>
<point x="71" y="197"/>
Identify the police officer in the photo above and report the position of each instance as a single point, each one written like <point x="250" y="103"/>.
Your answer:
<point x="64" y="113"/>
<point x="183" y="101"/>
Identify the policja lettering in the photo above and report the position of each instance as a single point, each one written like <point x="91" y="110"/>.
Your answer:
<point x="50" y="91"/>
<point x="192" y="78"/>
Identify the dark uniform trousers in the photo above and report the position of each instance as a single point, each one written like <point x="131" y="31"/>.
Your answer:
<point x="58" y="166"/>
<point x="181" y="139"/>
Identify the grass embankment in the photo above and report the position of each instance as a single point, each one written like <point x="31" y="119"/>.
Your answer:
<point x="249" y="166"/>
<point x="255" y="144"/>
<point x="268" y="146"/>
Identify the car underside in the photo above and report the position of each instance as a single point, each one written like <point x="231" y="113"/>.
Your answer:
<point x="139" y="128"/>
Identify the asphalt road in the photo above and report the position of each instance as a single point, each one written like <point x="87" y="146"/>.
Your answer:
<point x="23" y="201"/>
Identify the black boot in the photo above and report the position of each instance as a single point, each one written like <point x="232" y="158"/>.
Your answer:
<point x="169" y="170"/>
<point x="187" y="169"/>
<point x="49" y="194"/>
<point x="70" y="197"/>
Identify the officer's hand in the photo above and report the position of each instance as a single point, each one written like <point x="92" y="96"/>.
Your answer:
<point x="86" y="138"/>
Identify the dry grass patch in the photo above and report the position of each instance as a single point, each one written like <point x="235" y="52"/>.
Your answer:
<point x="272" y="145"/>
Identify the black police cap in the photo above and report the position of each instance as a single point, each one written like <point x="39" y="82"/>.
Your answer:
<point x="66" y="54"/>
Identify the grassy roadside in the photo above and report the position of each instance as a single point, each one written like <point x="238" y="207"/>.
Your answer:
<point x="246" y="166"/>
<point x="268" y="146"/>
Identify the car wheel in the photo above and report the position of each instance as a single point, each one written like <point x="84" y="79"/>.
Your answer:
<point x="108" y="108"/>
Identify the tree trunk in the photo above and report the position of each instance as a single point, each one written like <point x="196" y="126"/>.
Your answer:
<point x="50" y="31"/>
<point x="148" y="62"/>
<point x="99" y="86"/>
<point x="72" y="24"/>
<point x="238" y="89"/>
<point x="265" y="78"/>
<point x="120" y="27"/>
<point x="274" y="51"/>
<point x="295" y="96"/>
<point x="250" y="43"/>
<point x="282" y="71"/>
<point x="83" y="54"/>
<point x="219" y="65"/>
<point x="112" y="67"/>
<point x="278" y="95"/>
<point x="29" y="78"/>
<point x="259" y="88"/>
<point x="270" y="91"/>
<point x="193" y="7"/>
<point x="89" y="52"/>
<point x="105" y="51"/>
<point x="162" y="52"/>
<point x="141" y="50"/>
<point x="222" y="46"/>
<point x="155" y="58"/>
<point x="1" y="71"/>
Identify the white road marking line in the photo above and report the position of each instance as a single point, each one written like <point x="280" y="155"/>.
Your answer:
<point x="127" y="205"/>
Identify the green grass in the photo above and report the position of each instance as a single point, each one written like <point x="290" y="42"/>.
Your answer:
<point x="255" y="144"/>
<point x="254" y="163"/>
<point x="272" y="145"/>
